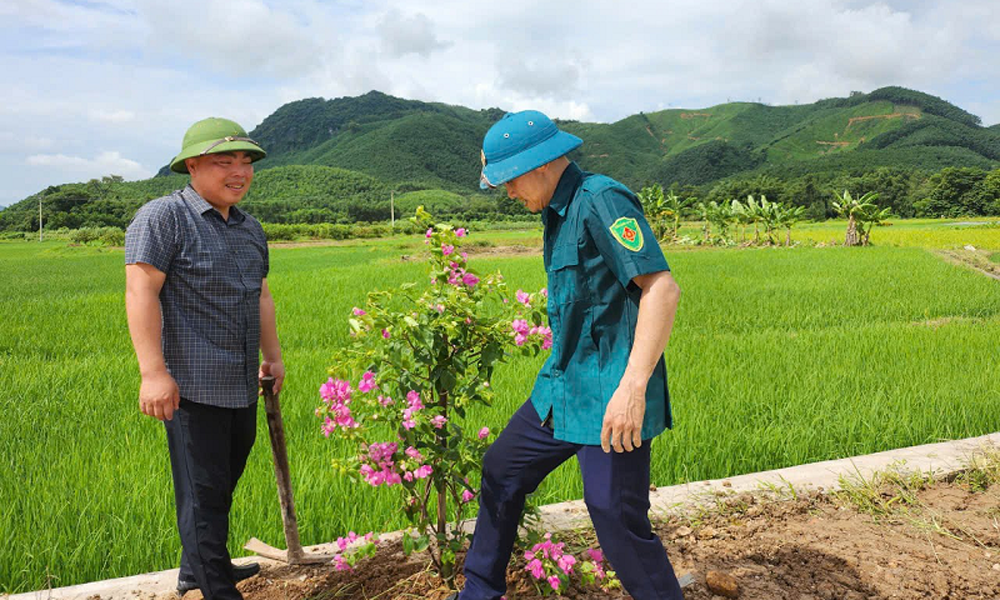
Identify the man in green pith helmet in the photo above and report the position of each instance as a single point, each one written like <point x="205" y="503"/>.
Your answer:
<point x="201" y="316"/>
<point x="602" y="394"/>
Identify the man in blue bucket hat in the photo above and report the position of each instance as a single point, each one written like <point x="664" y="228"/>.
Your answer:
<point x="602" y="394"/>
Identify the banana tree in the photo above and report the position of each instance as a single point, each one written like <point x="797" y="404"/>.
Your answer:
<point x="675" y="207"/>
<point x="870" y="219"/>
<point x="769" y="216"/>
<point x="742" y="216"/>
<point x="655" y="206"/>
<point x="787" y="218"/>
<point x="705" y="215"/>
<point x="754" y="215"/>
<point x="855" y="209"/>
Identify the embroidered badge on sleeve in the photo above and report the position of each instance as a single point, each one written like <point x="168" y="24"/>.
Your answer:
<point x="626" y="231"/>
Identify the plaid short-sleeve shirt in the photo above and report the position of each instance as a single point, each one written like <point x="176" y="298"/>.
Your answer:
<point x="210" y="300"/>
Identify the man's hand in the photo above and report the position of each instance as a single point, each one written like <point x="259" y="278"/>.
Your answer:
<point x="159" y="396"/>
<point x="622" y="427"/>
<point x="274" y="368"/>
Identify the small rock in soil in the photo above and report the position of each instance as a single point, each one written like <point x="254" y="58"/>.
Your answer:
<point x="722" y="584"/>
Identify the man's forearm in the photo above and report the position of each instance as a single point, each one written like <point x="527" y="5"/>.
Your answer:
<point x="144" y="325"/>
<point x="270" y="346"/>
<point x="657" y="308"/>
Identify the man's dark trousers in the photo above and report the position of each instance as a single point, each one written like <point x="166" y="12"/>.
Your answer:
<point x="209" y="447"/>
<point x="615" y="489"/>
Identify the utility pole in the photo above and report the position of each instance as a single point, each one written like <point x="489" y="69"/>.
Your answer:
<point x="39" y="218"/>
<point x="392" y="208"/>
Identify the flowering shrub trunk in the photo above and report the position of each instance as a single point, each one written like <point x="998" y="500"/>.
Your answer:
<point x="402" y="388"/>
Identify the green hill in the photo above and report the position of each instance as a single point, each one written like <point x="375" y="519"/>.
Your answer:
<point x="340" y="160"/>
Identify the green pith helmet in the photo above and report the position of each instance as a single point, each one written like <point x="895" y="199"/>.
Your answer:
<point x="214" y="135"/>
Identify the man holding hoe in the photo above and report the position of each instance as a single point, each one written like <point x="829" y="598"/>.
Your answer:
<point x="602" y="394"/>
<point x="200" y="315"/>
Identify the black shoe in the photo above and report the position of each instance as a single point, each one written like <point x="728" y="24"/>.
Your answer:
<point x="240" y="571"/>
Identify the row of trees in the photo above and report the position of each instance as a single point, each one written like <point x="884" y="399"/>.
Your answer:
<point x="730" y="222"/>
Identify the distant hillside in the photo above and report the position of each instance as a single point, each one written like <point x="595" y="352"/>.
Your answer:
<point x="436" y="145"/>
<point x="340" y="160"/>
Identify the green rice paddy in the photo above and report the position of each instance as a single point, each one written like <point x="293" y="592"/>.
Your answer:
<point x="779" y="357"/>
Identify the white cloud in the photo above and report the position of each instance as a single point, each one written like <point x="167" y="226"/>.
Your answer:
<point x="402" y="35"/>
<point x="134" y="74"/>
<point x="234" y="37"/>
<point x="105" y="163"/>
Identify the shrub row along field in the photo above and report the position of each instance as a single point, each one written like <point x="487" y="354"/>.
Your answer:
<point x="780" y="356"/>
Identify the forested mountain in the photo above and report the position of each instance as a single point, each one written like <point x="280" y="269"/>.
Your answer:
<point x="436" y="145"/>
<point x="339" y="160"/>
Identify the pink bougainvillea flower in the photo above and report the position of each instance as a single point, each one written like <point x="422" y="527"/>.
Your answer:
<point x="467" y="496"/>
<point x="423" y="471"/>
<point x="520" y="339"/>
<point x="413" y="399"/>
<point x="447" y="249"/>
<point x="439" y="421"/>
<point x="385" y="400"/>
<point x="340" y="563"/>
<point x="367" y="382"/>
<point x="484" y="433"/>
<point x="385" y="334"/>
<point x="328" y="427"/>
<point x="536" y="569"/>
<point x="358" y="312"/>
<point x="544" y="292"/>
<point x="460" y="232"/>
<point x="439" y="308"/>
<point x="566" y="562"/>
<point x="520" y="326"/>
<point x="595" y="555"/>
<point x="470" y="280"/>
<point x="523" y="297"/>
<point x="429" y="233"/>
<point x="554" y="582"/>
<point x="408" y="476"/>
<point x="414" y="454"/>
<point x="336" y="390"/>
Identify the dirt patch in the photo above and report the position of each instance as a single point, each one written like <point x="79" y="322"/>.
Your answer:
<point x="945" y="544"/>
<point x="922" y="540"/>
<point x="500" y="251"/>
<point x="898" y="115"/>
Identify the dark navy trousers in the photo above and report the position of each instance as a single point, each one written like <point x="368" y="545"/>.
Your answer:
<point x="209" y="447"/>
<point x="615" y="489"/>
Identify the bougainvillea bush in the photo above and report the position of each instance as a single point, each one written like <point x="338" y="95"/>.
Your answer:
<point x="420" y="357"/>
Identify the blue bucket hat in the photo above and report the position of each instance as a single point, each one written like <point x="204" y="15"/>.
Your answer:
<point x="521" y="142"/>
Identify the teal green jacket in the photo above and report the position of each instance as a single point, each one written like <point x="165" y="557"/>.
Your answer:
<point x="596" y="241"/>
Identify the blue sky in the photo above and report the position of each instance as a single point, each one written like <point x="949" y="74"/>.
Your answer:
<point x="98" y="87"/>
